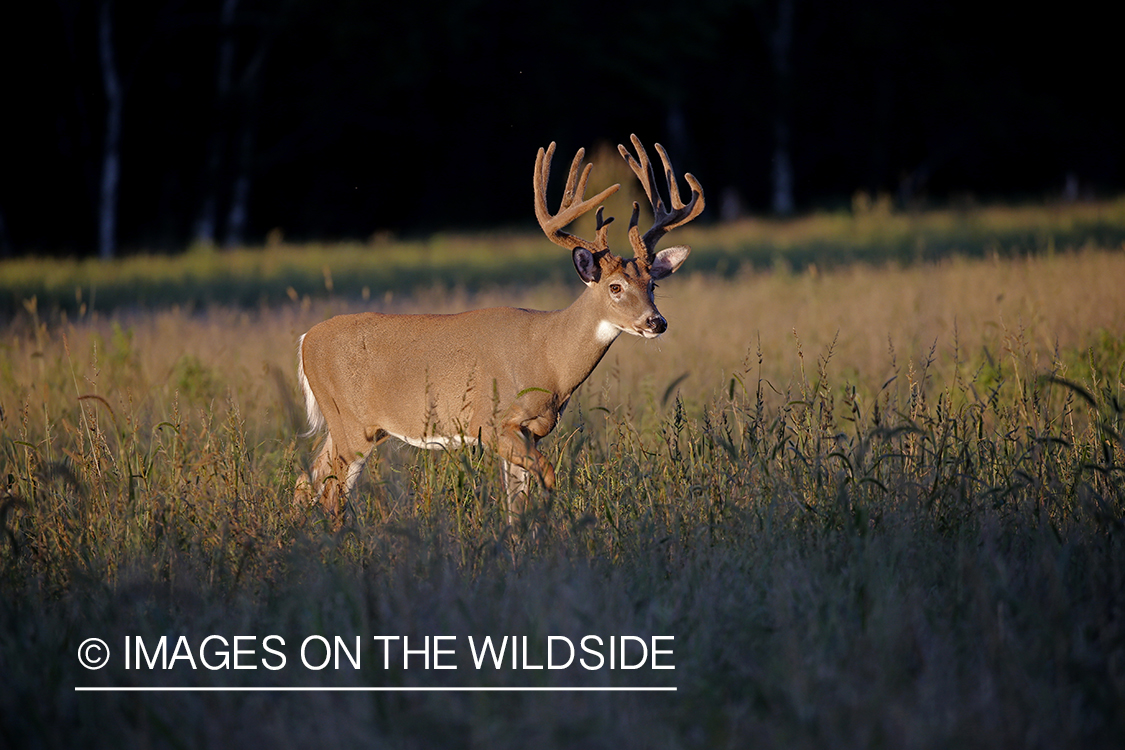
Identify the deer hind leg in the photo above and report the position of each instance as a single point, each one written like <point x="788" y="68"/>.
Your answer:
<point x="309" y="487"/>
<point x="333" y="479"/>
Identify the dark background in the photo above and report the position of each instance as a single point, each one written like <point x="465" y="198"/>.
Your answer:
<point x="340" y="118"/>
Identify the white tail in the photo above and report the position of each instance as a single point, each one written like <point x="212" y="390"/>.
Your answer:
<point x="500" y="376"/>
<point x="312" y="409"/>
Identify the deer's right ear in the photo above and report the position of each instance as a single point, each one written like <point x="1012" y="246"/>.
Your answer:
<point x="588" y="269"/>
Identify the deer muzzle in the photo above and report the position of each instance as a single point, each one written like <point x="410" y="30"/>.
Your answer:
<point x="654" y="325"/>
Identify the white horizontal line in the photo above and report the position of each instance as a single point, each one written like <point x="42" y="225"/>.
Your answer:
<point x="181" y="689"/>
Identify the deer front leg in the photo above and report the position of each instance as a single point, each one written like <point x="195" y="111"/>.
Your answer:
<point x="521" y="457"/>
<point x="517" y="481"/>
<point x="518" y="447"/>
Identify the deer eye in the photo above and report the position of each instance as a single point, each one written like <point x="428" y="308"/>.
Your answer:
<point x="615" y="289"/>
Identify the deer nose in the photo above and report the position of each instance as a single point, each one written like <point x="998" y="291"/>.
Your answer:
<point x="657" y="324"/>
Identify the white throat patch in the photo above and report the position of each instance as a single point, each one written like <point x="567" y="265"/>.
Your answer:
<point x="607" y="332"/>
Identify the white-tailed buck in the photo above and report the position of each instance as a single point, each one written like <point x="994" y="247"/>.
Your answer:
<point x="500" y="376"/>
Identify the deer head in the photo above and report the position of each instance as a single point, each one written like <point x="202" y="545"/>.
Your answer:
<point x="623" y="285"/>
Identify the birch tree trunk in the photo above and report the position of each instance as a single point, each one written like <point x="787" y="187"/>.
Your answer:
<point x="249" y="85"/>
<point x="206" y="225"/>
<point x="111" y="152"/>
<point x="240" y="196"/>
<point x="781" y="48"/>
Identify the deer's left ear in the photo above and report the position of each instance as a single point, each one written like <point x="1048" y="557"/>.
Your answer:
<point x="668" y="260"/>
<point x="586" y="265"/>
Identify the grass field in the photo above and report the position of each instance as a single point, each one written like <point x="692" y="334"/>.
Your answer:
<point x="870" y="481"/>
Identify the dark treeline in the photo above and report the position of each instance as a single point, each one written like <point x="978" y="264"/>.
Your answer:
<point x="152" y="124"/>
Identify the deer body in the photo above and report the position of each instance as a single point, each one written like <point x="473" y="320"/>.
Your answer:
<point x="501" y="373"/>
<point x="500" y="377"/>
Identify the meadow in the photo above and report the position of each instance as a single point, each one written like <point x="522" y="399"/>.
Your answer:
<point x="870" y="481"/>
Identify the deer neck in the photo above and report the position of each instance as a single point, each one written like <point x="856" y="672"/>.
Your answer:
<point x="580" y="338"/>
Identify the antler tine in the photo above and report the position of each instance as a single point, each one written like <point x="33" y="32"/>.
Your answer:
<point x="643" y="170"/>
<point x="663" y="220"/>
<point x="670" y="177"/>
<point x="572" y="205"/>
<point x="576" y="186"/>
<point x="602" y="227"/>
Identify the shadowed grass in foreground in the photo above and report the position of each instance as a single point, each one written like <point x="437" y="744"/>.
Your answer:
<point x="931" y="560"/>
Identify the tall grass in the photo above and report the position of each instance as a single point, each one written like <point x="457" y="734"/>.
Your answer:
<point x="884" y="507"/>
<point x="871" y="232"/>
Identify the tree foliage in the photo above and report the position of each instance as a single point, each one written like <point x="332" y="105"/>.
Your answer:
<point x="343" y="117"/>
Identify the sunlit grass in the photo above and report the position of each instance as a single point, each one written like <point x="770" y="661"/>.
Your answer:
<point x="871" y="232"/>
<point x="875" y="230"/>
